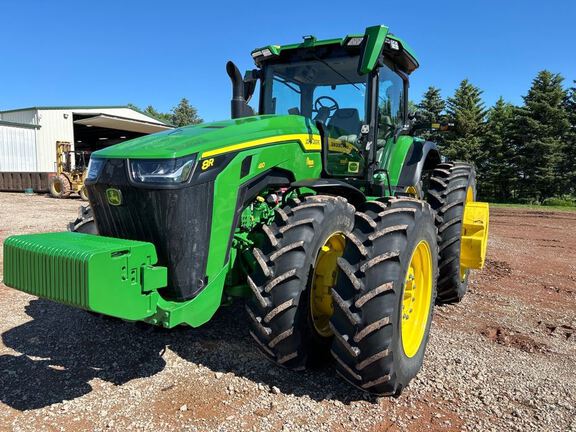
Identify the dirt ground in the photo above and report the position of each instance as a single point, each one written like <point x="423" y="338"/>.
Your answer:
<point x="502" y="359"/>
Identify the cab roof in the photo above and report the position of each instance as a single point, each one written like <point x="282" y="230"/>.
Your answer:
<point x="374" y="41"/>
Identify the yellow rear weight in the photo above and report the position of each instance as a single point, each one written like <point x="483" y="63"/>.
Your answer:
<point x="474" y="235"/>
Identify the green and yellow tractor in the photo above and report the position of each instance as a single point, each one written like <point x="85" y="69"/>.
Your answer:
<point x="339" y="228"/>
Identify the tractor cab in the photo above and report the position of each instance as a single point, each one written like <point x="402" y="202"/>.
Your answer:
<point x="354" y="90"/>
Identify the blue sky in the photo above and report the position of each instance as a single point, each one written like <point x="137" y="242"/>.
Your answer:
<point x="115" y="52"/>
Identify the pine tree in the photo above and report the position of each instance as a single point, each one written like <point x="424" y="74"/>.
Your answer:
<point x="466" y="110"/>
<point x="185" y="114"/>
<point x="500" y="164"/>
<point x="152" y="112"/>
<point x="431" y="105"/>
<point x="428" y="112"/>
<point x="541" y="128"/>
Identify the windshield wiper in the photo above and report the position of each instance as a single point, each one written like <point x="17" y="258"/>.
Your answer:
<point x="341" y="76"/>
<point x="287" y="84"/>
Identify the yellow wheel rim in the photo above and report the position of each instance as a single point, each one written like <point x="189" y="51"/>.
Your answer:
<point x="469" y="198"/>
<point x="417" y="298"/>
<point x="57" y="187"/>
<point x="324" y="278"/>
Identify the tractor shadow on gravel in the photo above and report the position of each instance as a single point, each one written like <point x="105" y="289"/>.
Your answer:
<point x="62" y="349"/>
<point x="224" y="345"/>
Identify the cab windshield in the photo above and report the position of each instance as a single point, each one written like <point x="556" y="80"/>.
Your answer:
<point x="329" y="90"/>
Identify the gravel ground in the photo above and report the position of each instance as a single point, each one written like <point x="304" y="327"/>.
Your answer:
<point x="503" y="359"/>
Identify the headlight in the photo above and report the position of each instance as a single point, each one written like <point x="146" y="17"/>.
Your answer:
<point x="94" y="167"/>
<point x="162" y="171"/>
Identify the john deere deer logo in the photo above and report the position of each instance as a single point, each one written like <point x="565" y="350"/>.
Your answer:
<point x="114" y="196"/>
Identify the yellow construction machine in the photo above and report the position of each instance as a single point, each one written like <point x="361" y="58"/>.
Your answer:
<point x="68" y="179"/>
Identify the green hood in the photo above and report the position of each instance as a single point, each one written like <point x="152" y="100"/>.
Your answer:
<point x="207" y="136"/>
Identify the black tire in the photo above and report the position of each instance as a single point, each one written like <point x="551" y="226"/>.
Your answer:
<point x="449" y="183"/>
<point x="279" y="312"/>
<point x="59" y="186"/>
<point x="368" y="296"/>
<point x="84" y="223"/>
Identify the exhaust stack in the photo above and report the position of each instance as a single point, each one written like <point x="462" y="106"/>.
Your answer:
<point x="239" y="106"/>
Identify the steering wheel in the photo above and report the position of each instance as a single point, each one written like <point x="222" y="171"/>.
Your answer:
<point x="318" y="103"/>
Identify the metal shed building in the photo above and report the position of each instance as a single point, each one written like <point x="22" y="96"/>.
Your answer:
<point x="28" y="138"/>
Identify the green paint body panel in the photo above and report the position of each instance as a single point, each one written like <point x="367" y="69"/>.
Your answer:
<point x="375" y="36"/>
<point x="207" y="136"/>
<point x="394" y="156"/>
<point x="101" y="274"/>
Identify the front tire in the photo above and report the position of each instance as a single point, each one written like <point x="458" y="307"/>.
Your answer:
<point x="290" y="327"/>
<point x="384" y="297"/>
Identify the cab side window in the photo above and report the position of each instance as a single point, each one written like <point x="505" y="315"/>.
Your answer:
<point x="390" y="102"/>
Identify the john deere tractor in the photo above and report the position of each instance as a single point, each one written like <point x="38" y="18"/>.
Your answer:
<point x="339" y="228"/>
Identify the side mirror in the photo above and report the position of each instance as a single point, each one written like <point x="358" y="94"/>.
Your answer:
<point x="414" y="122"/>
<point x="251" y="78"/>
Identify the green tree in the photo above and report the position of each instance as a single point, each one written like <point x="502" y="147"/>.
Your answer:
<point x="428" y="112"/>
<point x="568" y="163"/>
<point x="542" y="125"/>
<point x="431" y="105"/>
<point x="467" y="112"/>
<point x="185" y="114"/>
<point x="163" y="117"/>
<point x="500" y="163"/>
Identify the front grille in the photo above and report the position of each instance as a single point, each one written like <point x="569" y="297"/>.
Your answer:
<point x="175" y="220"/>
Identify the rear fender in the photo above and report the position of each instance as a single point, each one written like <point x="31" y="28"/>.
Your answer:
<point x="421" y="156"/>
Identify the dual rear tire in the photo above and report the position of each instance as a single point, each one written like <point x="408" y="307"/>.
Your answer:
<point x="332" y="280"/>
<point x="452" y="186"/>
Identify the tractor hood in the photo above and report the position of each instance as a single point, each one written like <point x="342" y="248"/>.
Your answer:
<point x="208" y="137"/>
